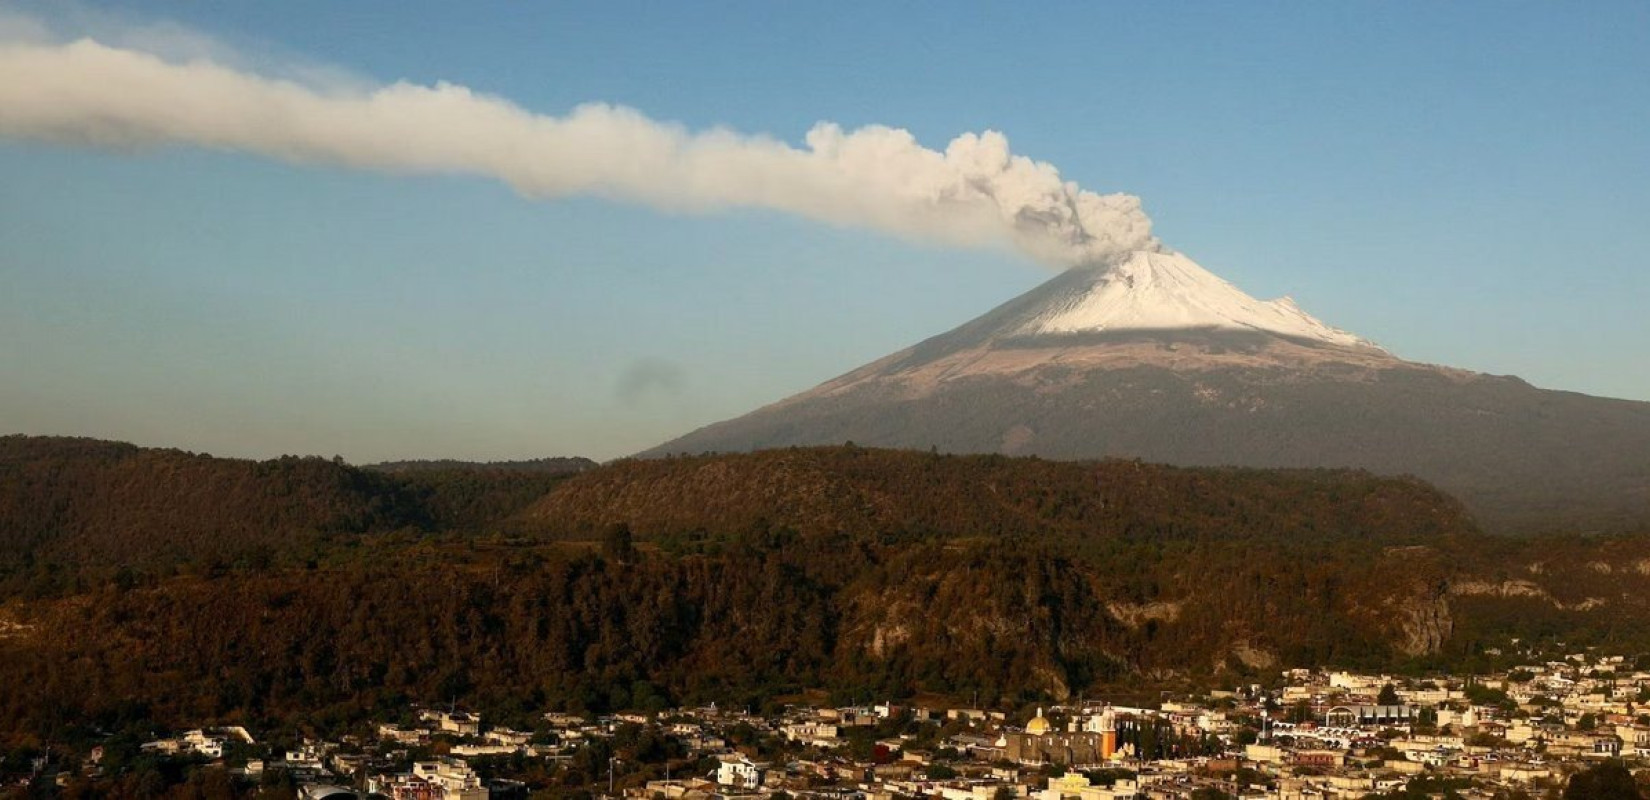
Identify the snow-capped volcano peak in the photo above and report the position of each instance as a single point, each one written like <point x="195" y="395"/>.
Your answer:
<point x="1149" y="290"/>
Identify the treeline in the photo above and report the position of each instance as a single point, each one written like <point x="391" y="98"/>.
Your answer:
<point x="73" y="510"/>
<point x="553" y="466"/>
<point x="91" y="503"/>
<point x="894" y="495"/>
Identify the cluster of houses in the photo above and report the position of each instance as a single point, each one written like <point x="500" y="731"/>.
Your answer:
<point x="1315" y="735"/>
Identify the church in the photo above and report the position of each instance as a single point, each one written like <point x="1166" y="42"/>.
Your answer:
<point x="1093" y="746"/>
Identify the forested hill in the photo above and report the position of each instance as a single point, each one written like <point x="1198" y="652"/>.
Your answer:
<point x="90" y="502"/>
<point x="94" y="503"/>
<point x="894" y="495"/>
<point x="142" y="587"/>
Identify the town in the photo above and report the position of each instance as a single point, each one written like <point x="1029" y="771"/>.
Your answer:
<point x="1318" y="734"/>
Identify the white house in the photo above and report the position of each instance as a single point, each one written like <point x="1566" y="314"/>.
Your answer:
<point x="740" y="772"/>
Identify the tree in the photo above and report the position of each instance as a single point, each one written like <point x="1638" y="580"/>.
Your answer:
<point x="1610" y="780"/>
<point x="618" y="545"/>
<point x="1388" y="696"/>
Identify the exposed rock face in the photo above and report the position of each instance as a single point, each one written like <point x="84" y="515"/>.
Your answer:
<point x="1134" y="615"/>
<point x="1426" y="622"/>
<point x="1254" y="657"/>
<point x="1507" y="588"/>
<point x="1015" y="619"/>
<point x="1524" y="589"/>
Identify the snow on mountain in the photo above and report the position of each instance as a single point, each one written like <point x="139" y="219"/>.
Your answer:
<point x="1151" y="357"/>
<point x="1148" y="290"/>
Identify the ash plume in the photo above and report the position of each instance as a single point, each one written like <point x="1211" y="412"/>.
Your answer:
<point x="975" y="192"/>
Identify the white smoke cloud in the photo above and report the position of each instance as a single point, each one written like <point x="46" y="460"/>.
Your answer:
<point x="974" y="193"/>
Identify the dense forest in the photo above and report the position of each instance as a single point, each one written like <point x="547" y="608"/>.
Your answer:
<point x="155" y="587"/>
<point x="893" y="495"/>
<point x="77" y="506"/>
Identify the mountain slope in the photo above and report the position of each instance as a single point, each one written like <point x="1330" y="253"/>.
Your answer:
<point x="1155" y="358"/>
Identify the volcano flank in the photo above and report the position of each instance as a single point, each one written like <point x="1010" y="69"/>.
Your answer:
<point x="1150" y="356"/>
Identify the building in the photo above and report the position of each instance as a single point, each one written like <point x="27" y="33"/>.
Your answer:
<point x="446" y="779"/>
<point x="452" y="778"/>
<point x="1318" y="758"/>
<point x="1041" y="744"/>
<point x="455" y="722"/>
<point x="194" y="742"/>
<point x="1106" y="725"/>
<point x="739" y="772"/>
<point x="1359" y="716"/>
<point x="822" y="734"/>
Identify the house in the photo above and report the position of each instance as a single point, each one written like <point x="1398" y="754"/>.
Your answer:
<point x="443" y="779"/>
<point x="1606" y="746"/>
<point x="195" y="742"/>
<point x="456" y="722"/>
<point x="1317" y="758"/>
<point x="1635" y="739"/>
<point x="403" y="787"/>
<point x="309" y="758"/>
<point x="821" y="734"/>
<point x="1070" y="785"/>
<point x="392" y="733"/>
<point x="739" y="772"/>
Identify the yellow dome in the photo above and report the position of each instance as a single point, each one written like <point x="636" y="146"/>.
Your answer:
<point x="1038" y="725"/>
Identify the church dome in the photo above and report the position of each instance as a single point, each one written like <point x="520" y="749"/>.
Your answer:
<point x="1038" y="724"/>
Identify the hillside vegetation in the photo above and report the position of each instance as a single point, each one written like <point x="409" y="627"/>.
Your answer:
<point x="100" y="505"/>
<point x="889" y="495"/>
<point x="142" y="587"/>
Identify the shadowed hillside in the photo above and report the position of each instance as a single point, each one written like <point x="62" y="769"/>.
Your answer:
<point x="93" y="502"/>
<point x="107" y="504"/>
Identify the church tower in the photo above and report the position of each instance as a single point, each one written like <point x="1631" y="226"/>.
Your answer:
<point x="1108" y="734"/>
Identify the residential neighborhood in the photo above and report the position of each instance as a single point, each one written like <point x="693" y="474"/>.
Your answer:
<point x="1307" y="735"/>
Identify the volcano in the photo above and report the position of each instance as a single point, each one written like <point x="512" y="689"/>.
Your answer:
<point x="1151" y="356"/>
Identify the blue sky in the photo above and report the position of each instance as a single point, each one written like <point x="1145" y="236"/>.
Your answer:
<point x="1465" y="183"/>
